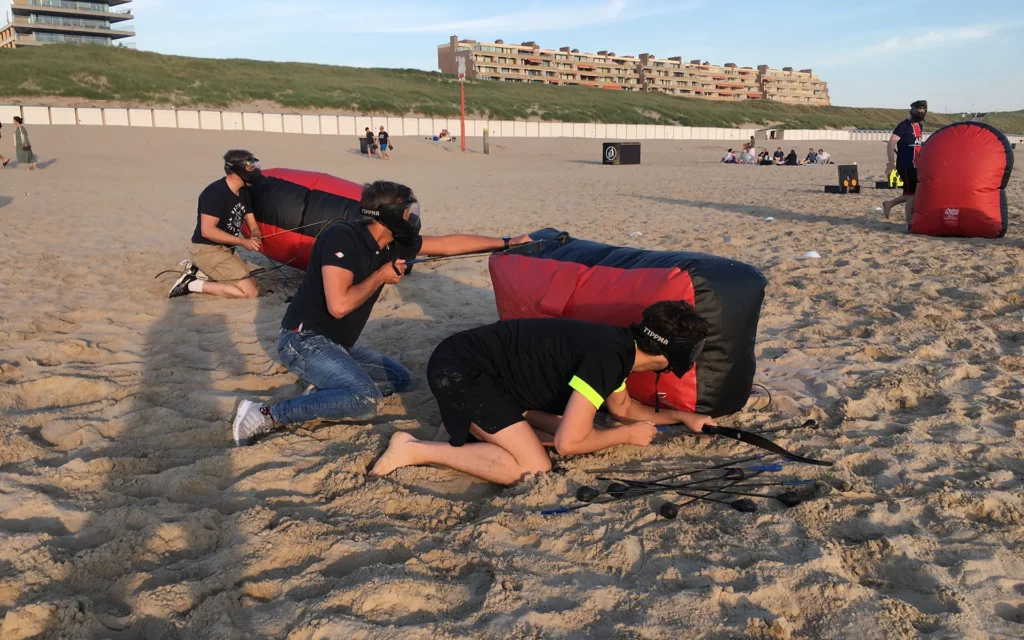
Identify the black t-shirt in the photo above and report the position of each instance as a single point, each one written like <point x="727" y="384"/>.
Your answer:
<point x="911" y="135"/>
<point x="791" y="159"/>
<point x="219" y="201"/>
<point x="350" y="246"/>
<point x="369" y="136"/>
<point x="540" y="362"/>
<point x="382" y="137"/>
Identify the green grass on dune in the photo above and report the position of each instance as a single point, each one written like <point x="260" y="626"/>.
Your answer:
<point x="118" y="75"/>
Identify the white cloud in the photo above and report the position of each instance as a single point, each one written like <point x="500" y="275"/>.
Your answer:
<point x="548" y="17"/>
<point x="924" y="41"/>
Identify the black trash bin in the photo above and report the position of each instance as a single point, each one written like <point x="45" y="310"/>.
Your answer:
<point x="363" y="149"/>
<point x="621" y="153"/>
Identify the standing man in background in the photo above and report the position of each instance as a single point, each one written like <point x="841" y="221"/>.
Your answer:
<point x="382" y="138"/>
<point x="904" y="145"/>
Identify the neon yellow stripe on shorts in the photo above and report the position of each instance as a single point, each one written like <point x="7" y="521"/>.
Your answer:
<point x="587" y="391"/>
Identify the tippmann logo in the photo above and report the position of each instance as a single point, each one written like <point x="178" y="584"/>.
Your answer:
<point x="951" y="216"/>
<point x="655" y="336"/>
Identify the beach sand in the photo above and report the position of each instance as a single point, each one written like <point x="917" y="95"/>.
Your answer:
<point x="125" y="511"/>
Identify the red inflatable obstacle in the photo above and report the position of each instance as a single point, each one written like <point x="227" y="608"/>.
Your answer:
<point x="590" y="281"/>
<point x="962" y="175"/>
<point x="292" y="207"/>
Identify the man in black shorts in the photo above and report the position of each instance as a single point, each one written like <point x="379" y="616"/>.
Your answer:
<point x="904" y="145"/>
<point x="521" y="385"/>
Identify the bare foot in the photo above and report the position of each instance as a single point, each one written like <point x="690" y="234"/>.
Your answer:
<point x="886" y="208"/>
<point x="396" y="456"/>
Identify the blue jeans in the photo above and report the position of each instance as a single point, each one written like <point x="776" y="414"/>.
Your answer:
<point x="351" y="382"/>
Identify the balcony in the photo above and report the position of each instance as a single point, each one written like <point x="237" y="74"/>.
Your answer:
<point x="70" y="8"/>
<point x="71" y="26"/>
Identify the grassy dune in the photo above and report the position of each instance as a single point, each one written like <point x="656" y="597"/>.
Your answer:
<point x="114" y="75"/>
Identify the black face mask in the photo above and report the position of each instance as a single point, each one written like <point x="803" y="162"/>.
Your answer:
<point x="681" y="354"/>
<point x="402" y="219"/>
<point x="248" y="170"/>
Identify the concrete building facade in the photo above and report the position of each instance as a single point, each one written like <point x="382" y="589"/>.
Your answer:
<point x="528" y="63"/>
<point x="37" y="22"/>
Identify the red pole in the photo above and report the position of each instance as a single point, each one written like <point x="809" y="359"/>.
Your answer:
<point x="462" y="100"/>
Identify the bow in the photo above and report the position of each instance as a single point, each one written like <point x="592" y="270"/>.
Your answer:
<point x="760" y="441"/>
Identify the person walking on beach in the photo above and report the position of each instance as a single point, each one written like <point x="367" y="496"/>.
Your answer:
<point x="349" y="266"/>
<point x="214" y="269"/>
<point x="23" y="146"/>
<point x="371" y="144"/>
<point x="382" y="138"/>
<point x="3" y="160"/>
<point x="517" y="386"/>
<point x="901" y="154"/>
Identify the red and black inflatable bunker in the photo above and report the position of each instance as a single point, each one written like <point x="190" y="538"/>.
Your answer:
<point x="292" y="207"/>
<point x="590" y="281"/>
<point x="962" y="173"/>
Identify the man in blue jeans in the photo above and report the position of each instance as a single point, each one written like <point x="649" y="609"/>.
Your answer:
<point x="349" y="266"/>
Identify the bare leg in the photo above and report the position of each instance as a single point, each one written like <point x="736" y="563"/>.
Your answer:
<point x="503" y="458"/>
<point x="909" y="209"/>
<point x="889" y="204"/>
<point x="233" y="290"/>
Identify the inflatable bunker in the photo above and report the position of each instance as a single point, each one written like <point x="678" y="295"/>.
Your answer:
<point x="292" y="207"/>
<point x="962" y="171"/>
<point x="590" y="281"/>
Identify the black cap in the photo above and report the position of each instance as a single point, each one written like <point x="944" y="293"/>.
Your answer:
<point x="919" y="104"/>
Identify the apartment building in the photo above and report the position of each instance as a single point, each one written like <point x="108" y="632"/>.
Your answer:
<point x="36" y="22"/>
<point x="527" y="62"/>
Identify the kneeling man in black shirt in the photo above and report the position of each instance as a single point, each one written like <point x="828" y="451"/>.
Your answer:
<point x="349" y="266"/>
<point x="521" y="385"/>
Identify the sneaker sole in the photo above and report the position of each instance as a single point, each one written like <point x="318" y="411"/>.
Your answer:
<point x="182" y="278"/>
<point x="243" y="407"/>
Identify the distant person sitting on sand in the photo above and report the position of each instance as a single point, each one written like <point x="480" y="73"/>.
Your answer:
<point x="823" y="156"/>
<point x="382" y="138"/>
<point x="729" y="157"/>
<point x="745" y="157"/>
<point x="791" y="159"/>
<point x="765" y="159"/>
<point x="508" y="390"/>
<point x="214" y="268"/>
<point x="349" y="266"/>
<point x="901" y="152"/>
<point x="812" y="157"/>
<point x="23" y="146"/>
<point x="779" y="156"/>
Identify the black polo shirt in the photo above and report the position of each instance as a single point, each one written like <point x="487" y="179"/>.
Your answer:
<point x="539" y="362"/>
<point x="351" y="246"/>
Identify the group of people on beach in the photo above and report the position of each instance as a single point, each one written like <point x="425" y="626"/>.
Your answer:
<point x="749" y="155"/>
<point x="506" y="391"/>
<point x="377" y="146"/>
<point x="22" y="146"/>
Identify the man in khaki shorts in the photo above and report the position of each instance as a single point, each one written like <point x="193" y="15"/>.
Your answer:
<point x="214" y="268"/>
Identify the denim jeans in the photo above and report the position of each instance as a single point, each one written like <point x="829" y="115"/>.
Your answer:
<point x="350" y="382"/>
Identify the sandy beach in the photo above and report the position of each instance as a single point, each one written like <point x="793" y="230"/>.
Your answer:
<point x="126" y="512"/>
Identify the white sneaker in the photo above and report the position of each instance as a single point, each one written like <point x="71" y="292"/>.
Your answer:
<point x="252" y="420"/>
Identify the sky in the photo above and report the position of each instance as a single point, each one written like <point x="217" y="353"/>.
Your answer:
<point x="958" y="55"/>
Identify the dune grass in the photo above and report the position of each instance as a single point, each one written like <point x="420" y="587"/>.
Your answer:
<point x="116" y="75"/>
